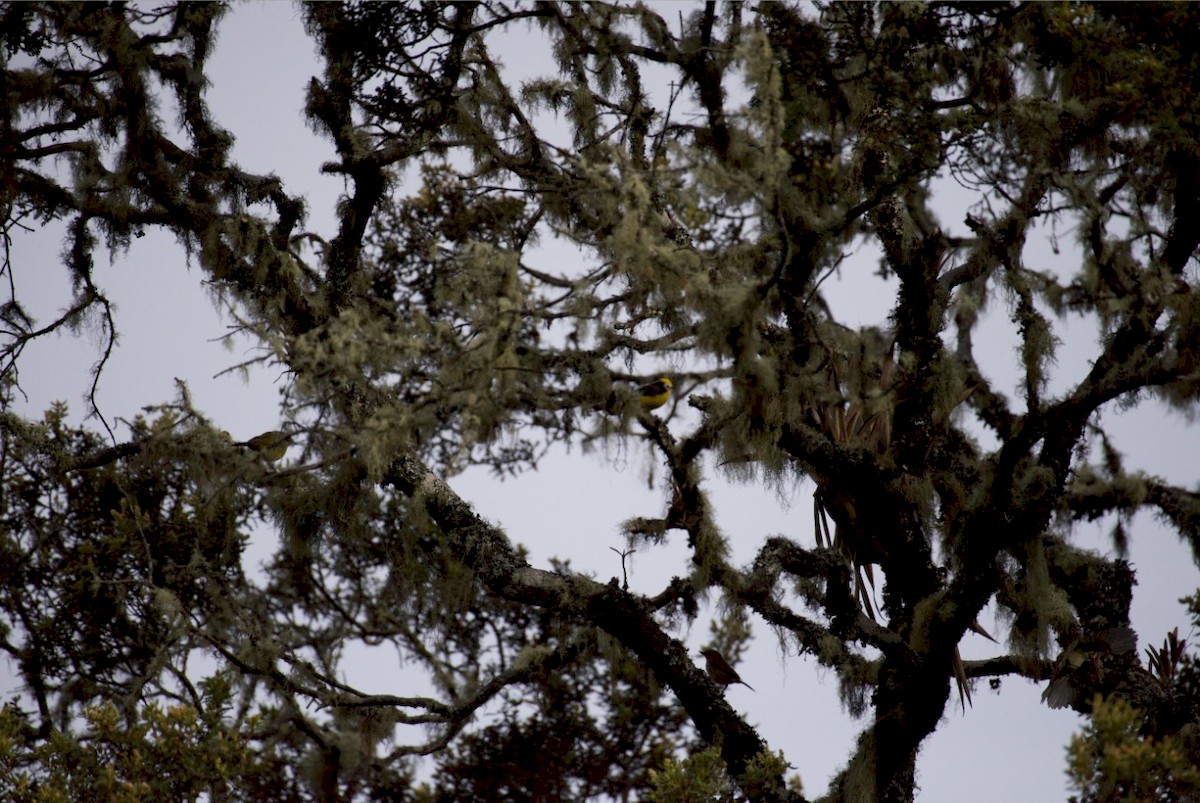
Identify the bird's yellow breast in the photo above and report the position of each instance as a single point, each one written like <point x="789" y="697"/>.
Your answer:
<point x="655" y="394"/>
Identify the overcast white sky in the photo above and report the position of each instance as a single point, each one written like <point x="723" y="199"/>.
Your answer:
<point x="1007" y="747"/>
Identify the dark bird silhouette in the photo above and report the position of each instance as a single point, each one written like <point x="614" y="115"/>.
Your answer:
<point x="720" y="671"/>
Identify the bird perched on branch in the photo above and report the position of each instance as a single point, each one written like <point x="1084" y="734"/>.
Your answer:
<point x="270" y="446"/>
<point x="1080" y="670"/>
<point x="720" y="671"/>
<point x="655" y="394"/>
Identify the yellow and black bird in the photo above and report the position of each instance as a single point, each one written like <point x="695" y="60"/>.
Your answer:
<point x="720" y="671"/>
<point x="655" y="394"/>
<point x="270" y="446"/>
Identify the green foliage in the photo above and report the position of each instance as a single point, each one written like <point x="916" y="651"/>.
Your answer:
<point x="164" y="754"/>
<point x="703" y="776"/>
<point x="1110" y="761"/>
<point x="700" y="777"/>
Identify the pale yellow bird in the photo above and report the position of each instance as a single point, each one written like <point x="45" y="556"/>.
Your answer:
<point x="271" y="445"/>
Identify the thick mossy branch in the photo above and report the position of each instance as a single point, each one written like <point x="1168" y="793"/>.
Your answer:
<point x="627" y="617"/>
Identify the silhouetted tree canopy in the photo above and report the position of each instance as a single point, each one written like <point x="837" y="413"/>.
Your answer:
<point x="711" y="165"/>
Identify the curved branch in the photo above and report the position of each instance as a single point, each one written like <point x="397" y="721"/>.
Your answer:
<point x="627" y="617"/>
